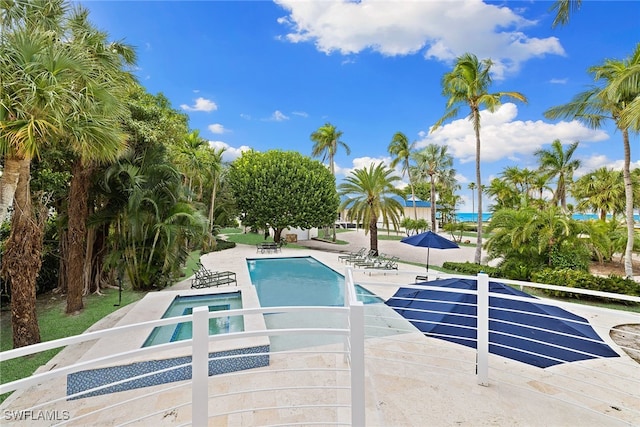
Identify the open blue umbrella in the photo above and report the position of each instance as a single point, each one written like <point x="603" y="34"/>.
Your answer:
<point x="429" y="240"/>
<point x="527" y="331"/>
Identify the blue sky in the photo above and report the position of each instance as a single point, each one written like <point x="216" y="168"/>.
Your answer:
<point x="265" y="75"/>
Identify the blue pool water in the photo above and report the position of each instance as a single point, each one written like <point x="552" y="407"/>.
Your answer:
<point x="183" y="305"/>
<point x="302" y="281"/>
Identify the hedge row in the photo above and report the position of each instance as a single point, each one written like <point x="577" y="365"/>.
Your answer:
<point x="223" y="244"/>
<point x="559" y="277"/>
<point x="472" y="269"/>
<point x="582" y="280"/>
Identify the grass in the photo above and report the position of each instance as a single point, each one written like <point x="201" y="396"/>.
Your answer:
<point x="55" y="324"/>
<point x="255" y="238"/>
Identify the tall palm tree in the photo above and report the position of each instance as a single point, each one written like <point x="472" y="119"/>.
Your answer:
<point x="435" y="163"/>
<point x="94" y="135"/>
<point x="559" y="164"/>
<point x="401" y="150"/>
<point x="608" y="101"/>
<point x="370" y="195"/>
<point x="38" y="94"/>
<point x="326" y="141"/>
<point x="472" y="186"/>
<point x="468" y="84"/>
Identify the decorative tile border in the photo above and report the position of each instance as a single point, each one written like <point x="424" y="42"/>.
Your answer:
<point x="85" y="380"/>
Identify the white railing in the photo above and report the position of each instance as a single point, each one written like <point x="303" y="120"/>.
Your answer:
<point x="330" y="393"/>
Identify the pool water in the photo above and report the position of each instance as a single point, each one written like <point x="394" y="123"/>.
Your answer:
<point x="301" y="281"/>
<point x="183" y="305"/>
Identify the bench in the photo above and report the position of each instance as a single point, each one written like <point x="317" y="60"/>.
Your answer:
<point x="268" y="247"/>
<point x="205" y="278"/>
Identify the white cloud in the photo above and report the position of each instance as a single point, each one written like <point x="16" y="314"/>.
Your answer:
<point x="559" y="81"/>
<point x="245" y="116"/>
<point x="503" y="137"/>
<point x="596" y="161"/>
<point x="363" y="162"/>
<point x="300" y="113"/>
<point x="438" y="29"/>
<point x="230" y="153"/>
<point x="201" y="104"/>
<point x="217" y="128"/>
<point x="278" y="116"/>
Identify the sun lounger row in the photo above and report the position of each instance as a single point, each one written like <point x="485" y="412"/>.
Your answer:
<point x="205" y="278"/>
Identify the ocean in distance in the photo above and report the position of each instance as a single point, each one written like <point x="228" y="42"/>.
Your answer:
<point x="486" y="216"/>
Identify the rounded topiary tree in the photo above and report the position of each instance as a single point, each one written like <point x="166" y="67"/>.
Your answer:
<point x="281" y="189"/>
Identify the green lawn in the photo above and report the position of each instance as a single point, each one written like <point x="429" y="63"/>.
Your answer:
<point x="55" y="324"/>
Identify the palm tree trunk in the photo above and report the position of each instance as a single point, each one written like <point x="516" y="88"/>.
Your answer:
<point x="432" y="198"/>
<point x="628" y="195"/>
<point x="213" y="204"/>
<point x="8" y="183"/>
<point x="22" y="260"/>
<point x="373" y="235"/>
<point x="476" y="121"/>
<point x="78" y="213"/>
<point x="413" y="197"/>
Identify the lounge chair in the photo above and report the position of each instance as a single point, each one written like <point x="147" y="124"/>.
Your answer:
<point x="360" y="258"/>
<point x="350" y="255"/>
<point x="205" y="278"/>
<point x="386" y="265"/>
<point x="371" y="261"/>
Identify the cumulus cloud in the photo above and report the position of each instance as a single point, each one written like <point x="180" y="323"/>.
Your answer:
<point x="363" y="162"/>
<point x="596" y="161"/>
<point x="428" y="27"/>
<point x="230" y="153"/>
<point x="216" y="128"/>
<point x="201" y="104"/>
<point x="504" y="137"/>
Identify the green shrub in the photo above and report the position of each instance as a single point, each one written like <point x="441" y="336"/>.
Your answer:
<point x="570" y="256"/>
<point x="471" y="268"/>
<point x="223" y="244"/>
<point x="583" y="280"/>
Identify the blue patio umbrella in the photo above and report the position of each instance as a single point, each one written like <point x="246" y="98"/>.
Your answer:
<point x="528" y="331"/>
<point x="429" y="240"/>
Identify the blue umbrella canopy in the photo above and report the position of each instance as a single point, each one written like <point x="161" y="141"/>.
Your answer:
<point x="429" y="240"/>
<point x="527" y="331"/>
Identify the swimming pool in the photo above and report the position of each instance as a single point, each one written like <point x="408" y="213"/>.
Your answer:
<point x="182" y="305"/>
<point x="300" y="281"/>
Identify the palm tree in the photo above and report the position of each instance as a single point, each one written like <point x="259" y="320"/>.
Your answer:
<point x="371" y="195"/>
<point x="94" y="135"/>
<point x="39" y="93"/>
<point x="401" y="150"/>
<point x="564" y="9"/>
<point x="326" y="142"/>
<point x="436" y="163"/>
<point x="610" y="100"/>
<point x="468" y="84"/>
<point x="559" y="164"/>
<point x="472" y="186"/>
<point x="601" y="190"/>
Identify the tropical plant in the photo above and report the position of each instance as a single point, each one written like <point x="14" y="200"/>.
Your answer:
<point x="472" y="186"/>
<point x="435" y="163"/>
<point x="326" y="141"/>
<point x="402" y="151"/>
<point x="281" y="189"/>
<point x="468" y="84"/>
<point x="601" y="190"/>
<point x="559" y="164"/>
<point x="370" y="196"/>
<point x="608" y="100"/>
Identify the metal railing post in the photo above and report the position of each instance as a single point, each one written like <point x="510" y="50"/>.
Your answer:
<point x="200" y="367"/>
<point x="356" y="336"/>
<point x="482" y="366"/>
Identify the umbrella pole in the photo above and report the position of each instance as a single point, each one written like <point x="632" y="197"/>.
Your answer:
<point x="428" y="249"/>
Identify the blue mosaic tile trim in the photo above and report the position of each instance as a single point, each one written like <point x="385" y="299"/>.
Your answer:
<point x="85" y="380"/>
